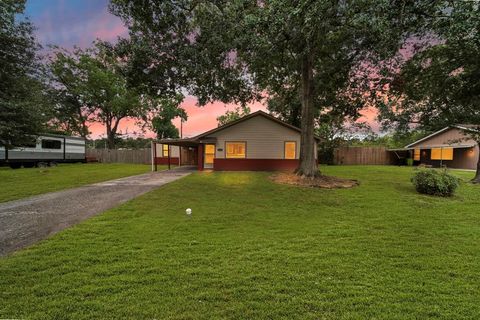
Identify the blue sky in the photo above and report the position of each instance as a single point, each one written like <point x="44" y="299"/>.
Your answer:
<point x="73" y="22"/>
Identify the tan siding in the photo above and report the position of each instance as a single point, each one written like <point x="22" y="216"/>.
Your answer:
<point x="265" y="138"/>
<point x="463" y="158"/>
<point x="449" y="137"/>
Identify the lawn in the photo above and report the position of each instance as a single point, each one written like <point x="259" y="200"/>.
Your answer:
<point x="21" y="183"/>
<point x="253" y="249"/>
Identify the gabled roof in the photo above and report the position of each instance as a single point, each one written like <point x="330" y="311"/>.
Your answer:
<point x="465" y="127"/>
<point x="233" y="123"/>
<point x="245" y="118"/>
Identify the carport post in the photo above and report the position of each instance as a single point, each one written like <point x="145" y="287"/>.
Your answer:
<point x="154" y="156"/>
<point x="168" y="157"/>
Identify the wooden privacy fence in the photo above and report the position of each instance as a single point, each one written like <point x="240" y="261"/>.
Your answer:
<point x="140" y="156"/>
<point x="363" y="156"/>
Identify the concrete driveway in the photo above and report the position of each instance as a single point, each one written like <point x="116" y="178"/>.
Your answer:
<point x="24" y="222"/>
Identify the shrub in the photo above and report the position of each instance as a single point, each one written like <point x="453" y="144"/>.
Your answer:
<point x="435" y="182"/>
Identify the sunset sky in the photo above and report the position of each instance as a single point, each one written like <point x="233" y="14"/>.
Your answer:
<point x="79" y="22"/>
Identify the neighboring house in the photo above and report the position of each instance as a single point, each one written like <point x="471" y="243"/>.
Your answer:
<point x="257" y="141"/>
<point x="448" y="147"/>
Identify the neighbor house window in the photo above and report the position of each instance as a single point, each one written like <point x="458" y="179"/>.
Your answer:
<point x="165" y="150"/>
<point x="290" y="149"/>
<point x="441" y="154"/>
<point x="235" y="149"/>
<point x="51" y="144"/>
<point x="416" y="155"/>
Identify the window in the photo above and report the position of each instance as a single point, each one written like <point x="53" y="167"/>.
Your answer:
<point x="165" y="150"/>
<point x="28" y="143"/>
<point x="416" y="154"/>
<point x="441" y="154"/>
<point x="236" y="150"/>
<point x="51" y="144"/>
<point x="290" y="149"/>
<point x="209" y="153"/>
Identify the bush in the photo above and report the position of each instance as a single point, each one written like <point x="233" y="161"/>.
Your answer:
<point x="435" y="182"/>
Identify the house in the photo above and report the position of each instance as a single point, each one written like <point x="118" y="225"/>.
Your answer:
<point x="256" y="142"/>
<point x="448" y="147"/>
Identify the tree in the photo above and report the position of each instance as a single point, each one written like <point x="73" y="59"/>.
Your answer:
<point x="440" y="84"/>
<point x="71" y="112"/>
<point x="286" y="105"/>
<point x="92" y="83"/>
<point x="232" y="115"/>
<point x="22" y="102"/>
<point x="162" y="124"/>
<point x="236" y="50"/>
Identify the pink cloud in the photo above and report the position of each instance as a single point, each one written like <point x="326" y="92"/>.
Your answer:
<point x="200" y="119"/>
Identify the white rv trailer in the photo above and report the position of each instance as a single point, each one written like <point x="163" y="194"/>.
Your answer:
<point x="46" y="148"/>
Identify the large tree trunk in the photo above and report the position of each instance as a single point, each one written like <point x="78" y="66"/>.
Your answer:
<point x="110" y="138"/>
<point x="111" y="132"/>
<point x="308" y="164"/>
<point x="477" y="174"/>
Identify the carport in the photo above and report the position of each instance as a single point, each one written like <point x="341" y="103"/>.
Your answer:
<point x="189" y="152"/>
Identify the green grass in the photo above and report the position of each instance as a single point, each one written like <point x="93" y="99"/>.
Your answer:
<point x="21" y="183"/>
<point x="253" y="249"/>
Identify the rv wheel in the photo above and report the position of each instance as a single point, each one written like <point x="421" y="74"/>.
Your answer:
<point x="15" y="165"/>
<point x="29" y="164"/>
<point x="53" y="164"/>
<point x="42" y="164"/>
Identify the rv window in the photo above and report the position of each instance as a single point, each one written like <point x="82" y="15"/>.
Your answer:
<point x="28" y="144"/>
<point x="51" y="144"/>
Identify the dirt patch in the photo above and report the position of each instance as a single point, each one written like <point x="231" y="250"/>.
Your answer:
<point x="326" y="182"/>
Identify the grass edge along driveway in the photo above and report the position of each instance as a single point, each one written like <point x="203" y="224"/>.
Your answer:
<point x="22" y="183"/>
<point x="256" y="250"/>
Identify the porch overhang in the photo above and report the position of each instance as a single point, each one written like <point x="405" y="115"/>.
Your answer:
<point x="179" y="142"/>
<point x="187" y="142"/>
<point x="442" y="146"/>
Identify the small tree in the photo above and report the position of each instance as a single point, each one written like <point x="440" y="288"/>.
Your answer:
<point x="93" y="80"/>
<point x="232" y="115"/>
<point x="161" y="123"/>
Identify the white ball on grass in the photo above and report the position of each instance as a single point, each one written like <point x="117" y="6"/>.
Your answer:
<point x="188" y="211"/>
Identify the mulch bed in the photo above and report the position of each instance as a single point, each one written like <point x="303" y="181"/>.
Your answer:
<point x="326" y="182"/>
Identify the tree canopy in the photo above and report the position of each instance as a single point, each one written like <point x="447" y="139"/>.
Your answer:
<point x="237" y="51"/>
<point x="440" y="85"/>
<point x="22" y="96"/>
<point x="232" y="115"/>
<point x="161" y="122"/>
<point x="92" y="85"/>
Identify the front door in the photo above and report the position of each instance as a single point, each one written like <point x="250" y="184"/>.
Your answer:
<point x="209" y="156"/>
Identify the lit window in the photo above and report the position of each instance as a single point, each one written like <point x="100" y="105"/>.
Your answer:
<point x="209" y="153"/>
<point x="235" y="149"/>
<point x="442" y="154"/>
<point x="416" y="155"/>
<point x="165" y="150"/>
<point x="290" y="150"/>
